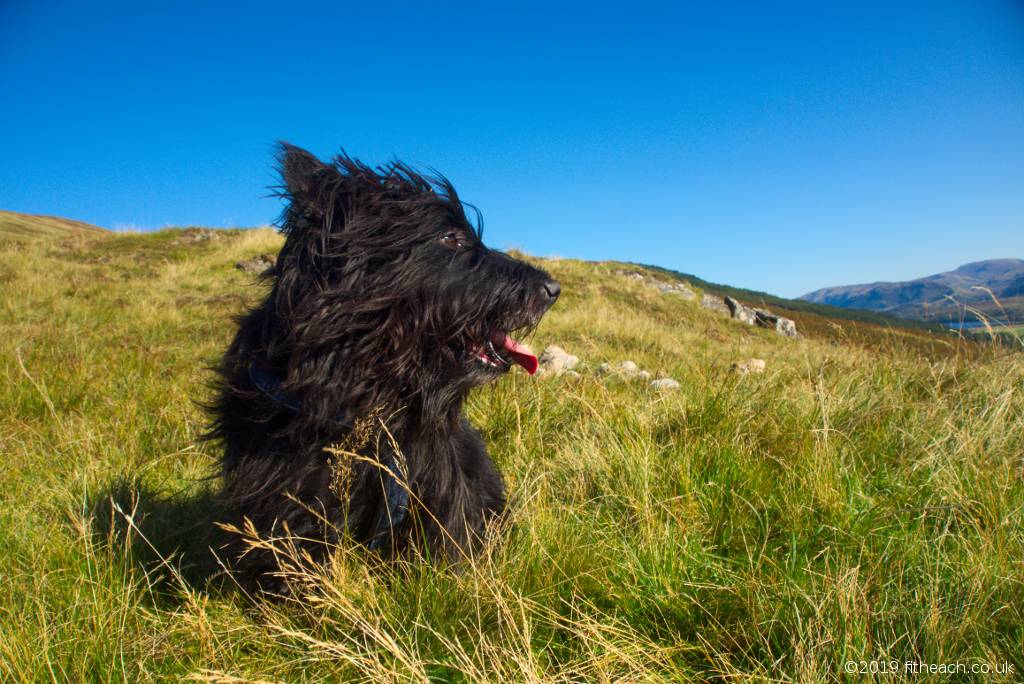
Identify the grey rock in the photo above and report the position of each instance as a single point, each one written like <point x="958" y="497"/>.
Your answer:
<point x="194" y="235"/>
<point x="665" y="384"/>
<point x="683" y="290"/>
<point x="715" y="304"/>
<point x="258" y="264"/>
<point x="780" y="324"/>
<point x="632" y="275"/>
<point x="677" y="289"/>
<point x="740" y="312"/>
<point x="786" y="326"/>
<point x="628" y="368"/>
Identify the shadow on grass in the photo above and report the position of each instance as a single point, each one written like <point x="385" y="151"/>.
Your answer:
<point x="171" y="537"/>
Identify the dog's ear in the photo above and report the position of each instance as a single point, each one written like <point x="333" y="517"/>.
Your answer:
<point x="311" y="186"/>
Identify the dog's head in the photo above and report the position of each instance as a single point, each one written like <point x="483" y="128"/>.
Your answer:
<point x="382" y="267"/>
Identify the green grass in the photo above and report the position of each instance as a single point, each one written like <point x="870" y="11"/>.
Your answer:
<point x="860" y="500"/>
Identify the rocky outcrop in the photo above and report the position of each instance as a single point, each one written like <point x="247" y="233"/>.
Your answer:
<point x="780" y="324"/>
<point x="741" y="312"/>
<point x="677" y="289"/>
<point x="726" y="306"/>
<point x="681" y="290"/>
<point x="194" y="235"/>
<point x="751" y="315"/>
<point x="716" y="304"/>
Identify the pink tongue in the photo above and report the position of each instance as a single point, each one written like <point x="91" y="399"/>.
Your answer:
<point x="520" y="354"/>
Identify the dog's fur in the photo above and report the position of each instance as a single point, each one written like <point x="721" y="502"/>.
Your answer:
<point x="382" y="298"/>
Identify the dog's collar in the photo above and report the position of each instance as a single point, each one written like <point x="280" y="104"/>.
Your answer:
<point x="269" y="385"/>
<point x="396" y="491"/>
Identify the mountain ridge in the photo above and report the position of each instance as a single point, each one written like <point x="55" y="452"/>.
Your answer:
<point x="991" y="289"/>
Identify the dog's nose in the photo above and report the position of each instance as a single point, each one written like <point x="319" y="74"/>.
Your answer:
<point x="553" y="289"/>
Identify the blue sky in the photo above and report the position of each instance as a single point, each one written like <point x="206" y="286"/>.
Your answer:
<point x="778" y="146"/>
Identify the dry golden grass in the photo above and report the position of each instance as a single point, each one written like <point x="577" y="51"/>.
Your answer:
<point x="854" y="502"/>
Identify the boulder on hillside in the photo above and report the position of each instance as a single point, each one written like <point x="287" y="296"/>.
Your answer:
<point x="678" y="289"/>
<point x="741" y="312"/>
<point x="715" y="304"/>
<point x="780" y="324"/>
<point x="761" y="317"/>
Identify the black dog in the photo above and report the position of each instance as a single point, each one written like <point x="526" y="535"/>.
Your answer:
<point x="386" y="310"/>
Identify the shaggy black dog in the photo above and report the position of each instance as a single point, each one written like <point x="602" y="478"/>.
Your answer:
<point x="385" y="310"/>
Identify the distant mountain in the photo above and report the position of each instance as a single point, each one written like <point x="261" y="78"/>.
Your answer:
<point x="15" y="226"/>
<point x="994" y="287"/>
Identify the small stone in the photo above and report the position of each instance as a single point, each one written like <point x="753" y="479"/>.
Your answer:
<point x="554" y="360"/>
<point x="258" y="264"/>
<point x="748" y="366"/>
<point x="628" y="369"/>
<point x="665" y="384"/>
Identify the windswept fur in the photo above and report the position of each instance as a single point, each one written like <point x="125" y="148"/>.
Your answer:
<point x="384" y="312"/>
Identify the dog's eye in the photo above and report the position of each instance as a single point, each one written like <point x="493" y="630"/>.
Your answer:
<point x="454" y="239"/>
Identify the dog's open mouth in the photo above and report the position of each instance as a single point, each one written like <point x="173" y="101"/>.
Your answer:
<point x="501" y="351"/>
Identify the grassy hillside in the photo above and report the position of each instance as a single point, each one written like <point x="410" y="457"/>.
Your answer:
<point x="16" y="226"/>
<point x="859" y="500"/>
<point x="834" y="313"/>
<point x="867" y="329"/>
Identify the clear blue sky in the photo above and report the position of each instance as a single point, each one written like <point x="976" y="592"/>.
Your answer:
<point x="779" y="146"/>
